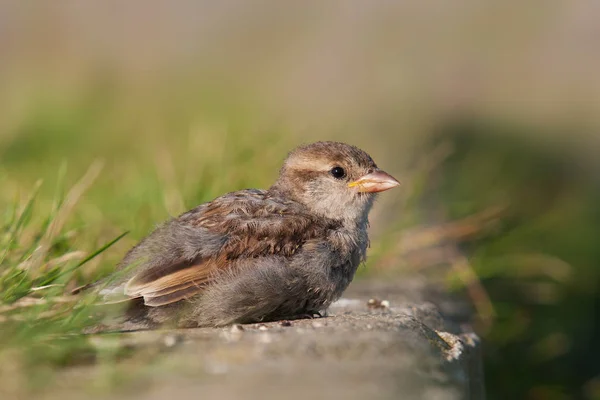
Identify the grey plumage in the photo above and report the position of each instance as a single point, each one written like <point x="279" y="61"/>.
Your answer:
<point x="257" y="255"/>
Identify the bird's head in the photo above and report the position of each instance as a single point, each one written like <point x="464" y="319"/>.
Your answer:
<point x="334" y="180"/>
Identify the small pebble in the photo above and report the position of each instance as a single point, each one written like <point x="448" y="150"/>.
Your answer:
<point x="262" y="328"/>
<point x="377" y="304"/>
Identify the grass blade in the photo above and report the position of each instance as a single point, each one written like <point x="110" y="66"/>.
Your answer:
<point x="89" y="258"/>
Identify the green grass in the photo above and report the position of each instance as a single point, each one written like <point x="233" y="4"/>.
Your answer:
<point x="41" y="325"/>
<point x="61" y="226"/>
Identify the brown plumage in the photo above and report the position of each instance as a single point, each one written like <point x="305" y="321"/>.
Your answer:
<point x="257" y="255"/>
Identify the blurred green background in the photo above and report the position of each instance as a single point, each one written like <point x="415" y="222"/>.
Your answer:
<point x="488" y="113"/>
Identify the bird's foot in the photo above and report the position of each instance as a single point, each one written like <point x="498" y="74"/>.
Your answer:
<point x="308" y="315"/>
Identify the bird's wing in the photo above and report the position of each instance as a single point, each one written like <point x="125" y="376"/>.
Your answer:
<point x="183" y="256"/>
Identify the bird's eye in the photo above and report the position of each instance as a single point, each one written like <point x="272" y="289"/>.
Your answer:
<point x="338" y="172"/>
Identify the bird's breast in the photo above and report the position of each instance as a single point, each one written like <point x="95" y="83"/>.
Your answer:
<point x="350" y="243"/>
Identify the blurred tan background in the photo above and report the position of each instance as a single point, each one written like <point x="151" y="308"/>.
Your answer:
<point x="473" y="105"/>
<point x="318" y="63"/>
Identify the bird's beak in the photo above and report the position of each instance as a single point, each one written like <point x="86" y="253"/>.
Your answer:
<point x="376" y="181"/>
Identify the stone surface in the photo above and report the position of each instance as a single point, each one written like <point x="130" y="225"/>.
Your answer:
<point x="381" y="341"/>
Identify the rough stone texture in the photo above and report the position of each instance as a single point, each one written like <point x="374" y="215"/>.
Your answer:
<point x="400" y="347"/>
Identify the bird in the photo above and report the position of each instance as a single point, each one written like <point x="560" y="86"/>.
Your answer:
<point x="256" y="255"/>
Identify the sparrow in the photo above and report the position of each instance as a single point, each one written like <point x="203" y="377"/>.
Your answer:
<point x="260" y="255"/>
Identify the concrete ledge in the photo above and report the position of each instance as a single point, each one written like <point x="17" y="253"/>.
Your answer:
<point x="396" y="346"/>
